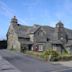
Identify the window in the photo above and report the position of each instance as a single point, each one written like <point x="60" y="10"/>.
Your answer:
<point x="54" y="48"/>
<point x="40" y="47"/>
<point x="61" y="38"/>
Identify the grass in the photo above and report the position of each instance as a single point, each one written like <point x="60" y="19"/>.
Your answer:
<point x="45" y="56"/>
<point x="42" y="55"/>
<point x="35" y="54"/>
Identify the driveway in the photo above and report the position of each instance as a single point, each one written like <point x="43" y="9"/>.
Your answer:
<point x="28" y="64"/>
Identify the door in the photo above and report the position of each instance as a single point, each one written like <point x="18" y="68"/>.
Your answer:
<point x="30" y="47"/>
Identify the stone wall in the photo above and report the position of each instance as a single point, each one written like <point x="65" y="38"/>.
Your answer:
<point x="31" y="37"/>
<point x="12" y="39"/>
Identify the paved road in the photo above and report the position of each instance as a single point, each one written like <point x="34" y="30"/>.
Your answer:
<point x="5" y="66"/>
<point x="29" y="64"/>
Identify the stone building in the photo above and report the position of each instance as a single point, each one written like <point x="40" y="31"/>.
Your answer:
<point x="38" y="38"/>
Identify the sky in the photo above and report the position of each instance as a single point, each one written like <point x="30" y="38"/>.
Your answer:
<point x="29" y="12"/>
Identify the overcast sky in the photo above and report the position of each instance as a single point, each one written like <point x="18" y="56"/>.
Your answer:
<point x="29" y="12"/>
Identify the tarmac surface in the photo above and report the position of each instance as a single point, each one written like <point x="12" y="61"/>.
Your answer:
<point x="5" y="66"/>
<point x="25" y="63"/>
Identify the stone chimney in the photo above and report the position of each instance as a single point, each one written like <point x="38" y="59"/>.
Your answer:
<point x="60" y="31"/>
<point x="59" y="27"/>
<point x="14" y="20"/>
<point x="36" y="25"/>
<point x="59" y="24"/>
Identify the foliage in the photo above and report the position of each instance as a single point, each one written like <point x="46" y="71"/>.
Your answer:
<point x="65" y="58"/>
<point x="54" y="56"/>
<point x="65" y="52"/>
<point x="38" y="54"/>
<point x="11" y="48"/>
<point x="51" y="55"/>
<point x="46" y="55"/>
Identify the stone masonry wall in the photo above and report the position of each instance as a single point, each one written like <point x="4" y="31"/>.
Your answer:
<point x="12" y="41"/>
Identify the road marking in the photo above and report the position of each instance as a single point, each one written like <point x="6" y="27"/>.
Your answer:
<point x="61" y="70"/>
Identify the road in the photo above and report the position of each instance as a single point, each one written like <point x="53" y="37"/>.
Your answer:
<point x="28" y="64"/>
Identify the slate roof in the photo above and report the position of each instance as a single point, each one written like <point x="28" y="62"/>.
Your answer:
<point x="23" y="31"/>
<point x="34" y="29"/>
<point x="40" y="39"/>
<point x="49" y="31"/>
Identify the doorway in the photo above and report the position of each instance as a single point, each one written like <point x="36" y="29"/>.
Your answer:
<point x="30" y="47"/>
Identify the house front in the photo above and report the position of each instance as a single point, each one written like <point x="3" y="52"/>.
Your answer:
<point x="37" y="37"/>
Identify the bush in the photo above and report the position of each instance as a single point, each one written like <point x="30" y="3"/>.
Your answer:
<point x="45" y="55"/>
<point x="65" y="58"/>
<point x="65" y="53"/>
<point x="51" y="55"/>
<point x="54" y="56"/>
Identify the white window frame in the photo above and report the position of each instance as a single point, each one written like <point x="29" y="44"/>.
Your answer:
<point x="54" y="48"/>
<point x="40" y="48"/>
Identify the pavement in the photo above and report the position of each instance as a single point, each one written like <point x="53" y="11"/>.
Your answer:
<point x="25" y="63"/>
<point x="5" y="66"/>
<point x="64" y="63"/>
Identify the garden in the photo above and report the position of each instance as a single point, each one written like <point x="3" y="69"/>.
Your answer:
<point x="50" y="55"/>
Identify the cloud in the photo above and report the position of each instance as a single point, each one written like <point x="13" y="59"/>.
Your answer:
<point x="8" y="12"/>
<point x="5" y="10"/>
<point x="37" y="12"/>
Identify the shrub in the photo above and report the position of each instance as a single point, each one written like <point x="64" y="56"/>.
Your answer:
<point x="51" y="55"/>
<point x="65" y="52"/>
<point x="54" y="56"/>
<point x="65" y="58"/>
<point x="45" y="55"/>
